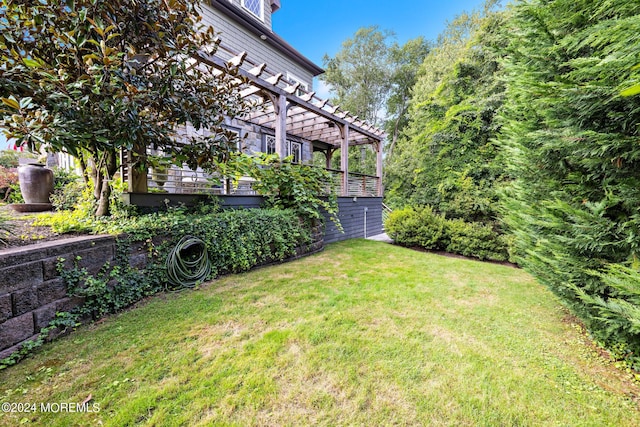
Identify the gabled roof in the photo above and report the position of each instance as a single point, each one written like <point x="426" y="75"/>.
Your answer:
<point x="250" y="24"/>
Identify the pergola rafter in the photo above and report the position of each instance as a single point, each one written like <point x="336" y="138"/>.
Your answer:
<point x="288" y="110"/>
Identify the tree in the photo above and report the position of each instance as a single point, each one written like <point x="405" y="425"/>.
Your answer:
<point x="446" y="157"/>
<point x="372" y="77"/>
<point x="360" y="73"/>
<point x="93" y="77"/>
<point x="572" y="141"/>
<point x="406" y="61"/>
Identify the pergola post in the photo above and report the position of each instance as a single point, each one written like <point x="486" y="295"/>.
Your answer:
<point x="328" y="156"/>
<point x="379" y="167"/>
<point x="136" y="178"/>
<point x="344" y="159"/>
<point x="281" y="126"/>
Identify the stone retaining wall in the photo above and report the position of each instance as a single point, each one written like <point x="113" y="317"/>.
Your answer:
<point x="31" y="290"/>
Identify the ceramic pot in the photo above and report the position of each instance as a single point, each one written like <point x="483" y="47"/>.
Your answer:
<point x="36" y="183"/>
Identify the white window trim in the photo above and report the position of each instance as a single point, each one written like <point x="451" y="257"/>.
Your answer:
<point x="291" y="144"/>
<point x="288" y="149"/>
<point x="261" y="16"/>
<point x="269" y="139"/>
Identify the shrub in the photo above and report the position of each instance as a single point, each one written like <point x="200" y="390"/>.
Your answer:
<point x="427" y="229"/>
<point x="416" y="227"/>
<point x="306" y="189"/>
<point x="475" y="239"/>
<point x="9" y="159"/>
<point x="8" y="182"/>
<point x="67" y="190"/>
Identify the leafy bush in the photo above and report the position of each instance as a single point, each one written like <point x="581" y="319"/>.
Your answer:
<point x="8" y="182"/>
<point x="416" y="227"/>
<point x="9" y="159"/>
<point x="67" y="190"/>
<point x="427" y="229"/>
<point x="475" y="239"/>
<point x="305" y="189"/>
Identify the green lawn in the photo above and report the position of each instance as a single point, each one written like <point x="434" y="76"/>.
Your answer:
<point x="363" y="333"/>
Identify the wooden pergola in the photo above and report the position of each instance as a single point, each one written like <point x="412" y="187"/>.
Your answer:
<point x="289" y="110"/>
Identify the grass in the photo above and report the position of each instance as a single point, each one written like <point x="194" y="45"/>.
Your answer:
<point x="362" y="334"/>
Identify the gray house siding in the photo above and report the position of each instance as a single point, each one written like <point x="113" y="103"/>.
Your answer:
<point x="352" y="212"/>
<point x="234" y="35"/>
<point x="259" y="51"/>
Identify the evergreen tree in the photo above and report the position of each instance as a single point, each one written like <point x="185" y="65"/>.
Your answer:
<point x="572" y="145"/>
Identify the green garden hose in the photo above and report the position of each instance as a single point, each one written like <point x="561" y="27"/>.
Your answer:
<point x="188" y="263"/>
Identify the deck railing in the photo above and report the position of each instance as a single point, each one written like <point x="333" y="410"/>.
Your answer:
<point x="358" y="184"/>
<point x="186" y="181"/>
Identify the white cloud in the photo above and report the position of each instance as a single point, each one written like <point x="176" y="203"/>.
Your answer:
<point x="323" y="90"/>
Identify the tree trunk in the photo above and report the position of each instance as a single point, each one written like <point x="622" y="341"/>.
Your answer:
<point x="110" y="166"/>
<point x="85" y="172"/>
<point x="103" y="202"/>
<point x="137" y="174"/>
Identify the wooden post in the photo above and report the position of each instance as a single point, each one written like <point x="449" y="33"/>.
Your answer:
<point x="281" y="126"/>
<point x="329" y="156"/>
<point x="136" y="178"/>
<point x="379" y="168"/>
<point x="344" y="159"/>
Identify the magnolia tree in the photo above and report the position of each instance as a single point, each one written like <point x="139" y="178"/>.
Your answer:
<point x="94" y="77"/>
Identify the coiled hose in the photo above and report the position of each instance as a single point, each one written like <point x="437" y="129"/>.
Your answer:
<point x="188" y="263"/>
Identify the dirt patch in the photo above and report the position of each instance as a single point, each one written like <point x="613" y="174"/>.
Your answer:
<point x="24" y="233"/>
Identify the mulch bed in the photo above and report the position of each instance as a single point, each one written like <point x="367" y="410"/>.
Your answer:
<point x="24" y="233"/>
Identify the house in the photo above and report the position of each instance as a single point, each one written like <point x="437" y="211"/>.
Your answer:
<point x="293" y="120"/>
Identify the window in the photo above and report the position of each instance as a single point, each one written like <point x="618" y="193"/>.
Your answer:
<point x="302" y="89"/>
<point x="254" y="6"/>
<point x="269" y="144"/>
<point x="293" y="148"/>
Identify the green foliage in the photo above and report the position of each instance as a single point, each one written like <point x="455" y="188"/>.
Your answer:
<point x="407" y="60"/>
<point x="62" y="322"/>
<point x="98" y="76"/>
<point x="572" y="145"/>
<point x="67" y="191"/>
<point x="305" y="189"/>
<point x="9" y="159"/>
<point x="360" y="73"/>
<point x="13" y="194"/>
<point x="427" y="229"/>
<point x="416" y="227"/>
<point x="447" y="158"/>
<point x="475" y="239"/>
<point x="112" y="289"/>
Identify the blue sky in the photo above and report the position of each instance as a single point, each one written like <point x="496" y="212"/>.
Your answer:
<point x="318" y="27"/>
